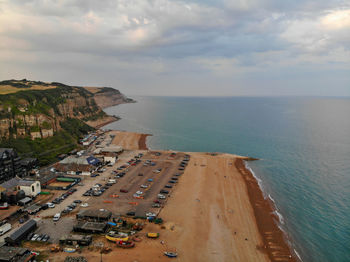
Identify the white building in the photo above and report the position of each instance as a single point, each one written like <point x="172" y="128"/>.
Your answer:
<point x="30" y="188"/>
<point x="110" y="157"/>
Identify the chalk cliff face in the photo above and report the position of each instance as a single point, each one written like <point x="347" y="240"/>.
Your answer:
<point x="38" y="112"/>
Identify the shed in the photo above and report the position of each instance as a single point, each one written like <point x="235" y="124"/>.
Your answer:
<point x="95" y="214"/>
<point x="24" y="201"/>
<point x="8" y="254"/>
<point x="83" y="240"/>
<point x="21" y="233"/>
<point x="90" y="227"/>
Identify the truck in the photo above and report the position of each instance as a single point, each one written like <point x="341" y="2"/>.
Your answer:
<point x="5" y="228"/>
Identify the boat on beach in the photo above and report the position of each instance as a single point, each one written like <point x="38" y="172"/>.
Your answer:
<point x="170" y="254"/>
<point x="125" y="244"/>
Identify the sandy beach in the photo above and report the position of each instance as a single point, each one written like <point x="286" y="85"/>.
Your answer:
<point x="217" y="212"/>
<point x="209" y="216"/>
<point x="129" y="140"/>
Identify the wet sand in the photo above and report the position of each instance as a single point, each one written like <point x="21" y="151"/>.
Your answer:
<point x="274" y="239"/>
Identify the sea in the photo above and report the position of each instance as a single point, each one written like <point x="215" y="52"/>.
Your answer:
<point x="303" y="144"/>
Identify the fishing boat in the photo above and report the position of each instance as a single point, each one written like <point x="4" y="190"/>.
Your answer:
<point x="69" y="250"/>
<point x="152" y="235"/>
<point x="125" y="244"/>
<point x="170" y="254"/>
<point x="115" y="237"/>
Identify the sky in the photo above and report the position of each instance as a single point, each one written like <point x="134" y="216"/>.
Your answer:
<point x="181" y="48"/>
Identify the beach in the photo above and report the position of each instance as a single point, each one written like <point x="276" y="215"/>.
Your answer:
<point x="214" y="214"/>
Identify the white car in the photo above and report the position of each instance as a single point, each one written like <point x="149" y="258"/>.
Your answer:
<point x="51" y="205"/>
<point x="150" y="214"/>
<point x="156" y="171"/>
<point x="35" y="237"/>
<point x="143" y="186"/>
<point x="57" y="217"/>
<point x="160" y="196"/>
<point x="139" y="192"/>
<point x="84" y="205"/>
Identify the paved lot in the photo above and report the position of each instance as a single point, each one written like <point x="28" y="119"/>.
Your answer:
<point x="132" y="182"/>
<point x="121" y="205"/>
<point x="56" y="230"/>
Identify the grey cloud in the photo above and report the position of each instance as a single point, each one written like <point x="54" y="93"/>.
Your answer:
<point x="156" y="39"/>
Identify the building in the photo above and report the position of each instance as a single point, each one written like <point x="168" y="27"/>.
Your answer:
<point x="30" y="187"/>
<point x="28" y="164"/>
<point x="21" y="233"/>
<point x="90" y="227"/>
<point x="95" y="215"/>
<point x="12" y="254"/>
<point x="110" y="157"/>
<point x="82" y="240"/>
<point x="75" y="165"/>
<point x="10" y="165"/>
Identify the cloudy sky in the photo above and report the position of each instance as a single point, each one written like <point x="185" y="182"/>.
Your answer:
<point x="171" y="47"/>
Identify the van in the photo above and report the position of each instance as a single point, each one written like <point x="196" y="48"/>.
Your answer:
<point x="5" y="228"/>
<point x="57" y="217"/>
<point x="112" y="181"/>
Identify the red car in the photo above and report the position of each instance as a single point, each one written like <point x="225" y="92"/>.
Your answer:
<point x="156" y="201"/>
<point x="123" y="190"/>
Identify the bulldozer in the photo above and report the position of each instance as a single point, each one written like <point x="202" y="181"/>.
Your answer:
<point x="55" y="249"/>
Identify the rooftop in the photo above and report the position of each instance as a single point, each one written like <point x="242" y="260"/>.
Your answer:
<point x="8" y="253"/>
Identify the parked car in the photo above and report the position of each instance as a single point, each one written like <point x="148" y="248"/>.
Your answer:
<point x="172" y="181"/>
<point x="57" y="217"/>
<point x="40" y="237"/>
<point x="46" y="238"/>
<point x="164" y="191"/>
<point x="156" y="205"/>
<point x="29" y="237"/>
<point x="160" y="196"/>
<point x="44" y="206"/>
<point x="123" y="190"/>
<point x="143" y="186"/>
<point x="77" y="201"/>
<point x="51" y="205"/>
<point x="174" y="178"/>
<point x="35" y="237"/>
<point x="84" y="205"/>
<point x="168" y="186"/>
<point x="130" y="214"/>
<point x="140" y="174"/>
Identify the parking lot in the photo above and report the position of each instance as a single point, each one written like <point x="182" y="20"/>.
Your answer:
<point x="136" y="176"/>
<point x="112" y="199"/>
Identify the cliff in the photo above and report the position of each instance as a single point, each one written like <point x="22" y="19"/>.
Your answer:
<point x="36" y="109"/>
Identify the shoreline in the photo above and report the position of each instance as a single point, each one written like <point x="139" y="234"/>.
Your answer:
<point x="143" y="141"/>
<point x="275" y="242"/>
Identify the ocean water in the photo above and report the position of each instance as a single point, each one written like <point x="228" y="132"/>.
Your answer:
<point x="303" y="144"/>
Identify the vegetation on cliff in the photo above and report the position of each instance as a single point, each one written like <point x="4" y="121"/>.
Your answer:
<point x="47" y="149"/>
<point x="46" y="119"/>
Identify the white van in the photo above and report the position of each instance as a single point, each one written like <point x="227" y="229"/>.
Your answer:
<point x="57" y="217"/>
<point x="112" y="181"/>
